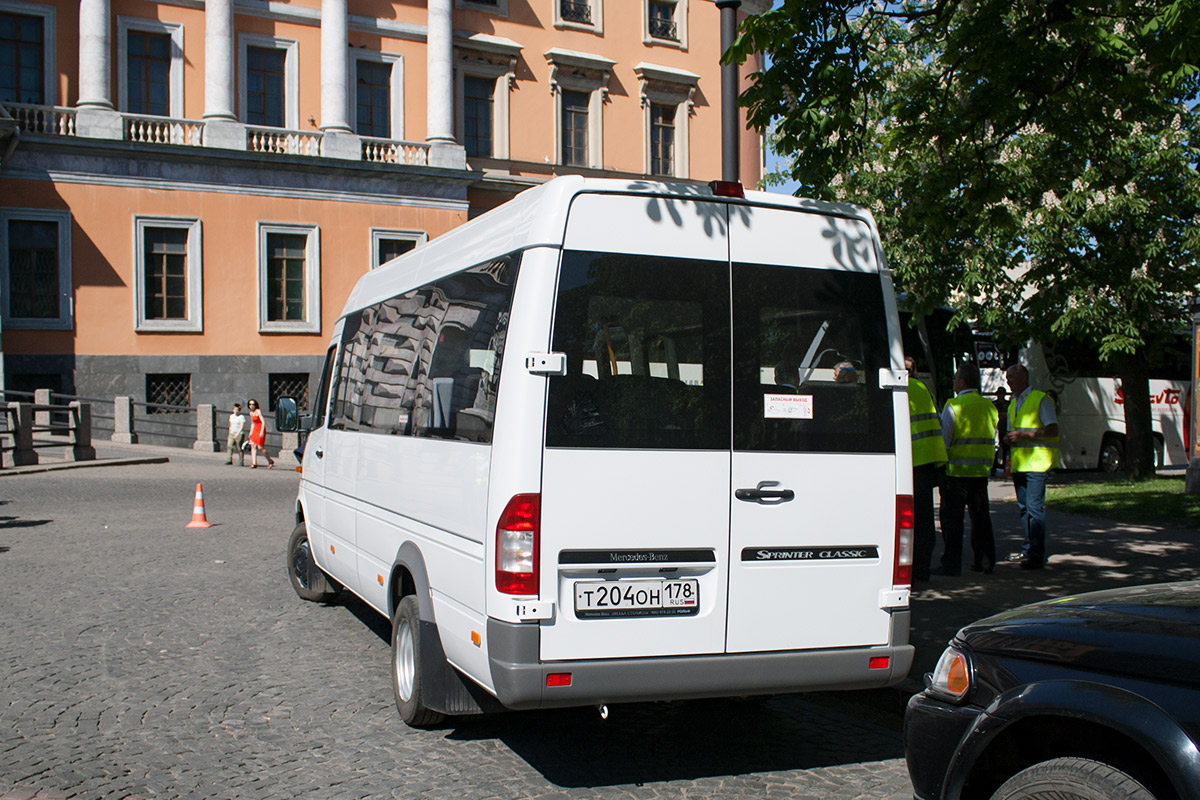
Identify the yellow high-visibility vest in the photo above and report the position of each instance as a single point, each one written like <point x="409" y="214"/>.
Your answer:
<point x="973" y="443"/>
<point x="1035" y="455"/>
<point x="927" y="444"/>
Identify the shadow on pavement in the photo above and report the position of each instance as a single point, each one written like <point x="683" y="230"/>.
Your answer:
<point x="654" y="742"/>
<point x="16" y="522"/>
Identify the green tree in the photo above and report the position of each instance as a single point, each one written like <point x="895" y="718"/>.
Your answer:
<point x="1030" y="162"/>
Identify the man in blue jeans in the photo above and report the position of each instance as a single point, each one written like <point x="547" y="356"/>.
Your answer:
<point x="1033" y="439"/>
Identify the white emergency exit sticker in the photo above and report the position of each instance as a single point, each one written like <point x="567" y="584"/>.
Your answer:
<point x="788" y="406"/>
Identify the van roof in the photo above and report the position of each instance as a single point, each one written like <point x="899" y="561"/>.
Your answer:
<point x="537" y="217"/>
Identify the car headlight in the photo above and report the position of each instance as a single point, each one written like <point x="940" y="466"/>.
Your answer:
<point x="952" y="678"/>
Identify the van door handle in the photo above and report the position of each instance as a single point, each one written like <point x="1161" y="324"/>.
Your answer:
<point x="764" y="496"/>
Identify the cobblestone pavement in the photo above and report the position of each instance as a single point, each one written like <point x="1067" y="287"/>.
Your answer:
<point x="144" y="660"/>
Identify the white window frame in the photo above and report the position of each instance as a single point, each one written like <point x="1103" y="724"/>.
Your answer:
<point x="396" y="85"/>
<point x="596" y="26"/>
<point x="681" y="26"/>
<point x="667" y="86"/>
<point x="312" y="279"/>
<point x="291" y="75"/>
<point x="499" y="64"/>
<point x="580" y="72"/>
<point x="499" y="9"/>
<point x="378" y="234"/>
<point x="194" y="323"/>
<point x="65" y="319"/>
<point x="49" y="59"/>
<point x="175" y="79"/>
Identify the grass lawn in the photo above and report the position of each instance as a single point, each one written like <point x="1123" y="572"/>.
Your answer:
<point x="1160" y="501"/>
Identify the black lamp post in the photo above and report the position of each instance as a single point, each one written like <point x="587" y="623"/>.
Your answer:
<point x="730" y="168"/>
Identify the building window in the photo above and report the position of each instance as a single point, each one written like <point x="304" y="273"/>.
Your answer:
<point x="478" y="116"/>
<point x="580" y="85"/>
<point x="35" y="262"/>
<point x="379" y="100"/>
<point x="662" y="139"/>
<point x="289" y="278"/>
<point x="388" y="244"/>
<point x="665" y="22"/>
<point x="169" y="282"/>
<point x="575" y="11"/>
<point x="265" y="81"/>
<point x="484" y="75"/>
<point x="579" y="15"/>
<point x="269" y="87"/>
<point x="26" y="53"/>
<point x="374" y="98"/>
<point x="150" y="67"/>
<point x="168" y="393"/>
<point x="667" y="95"/>
<point x="575" y="128"/>
<point x="497" y="7"/>
<point x="149" y="73"/>
<point x="288" y="384"/>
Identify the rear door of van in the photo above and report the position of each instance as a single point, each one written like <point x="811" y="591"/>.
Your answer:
<point x="699" y="494"/>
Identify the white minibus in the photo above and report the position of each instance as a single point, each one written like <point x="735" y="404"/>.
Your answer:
<point x="619" y="441"/>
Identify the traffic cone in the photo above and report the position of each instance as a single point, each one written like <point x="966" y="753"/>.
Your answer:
<point x="199" y="519"/>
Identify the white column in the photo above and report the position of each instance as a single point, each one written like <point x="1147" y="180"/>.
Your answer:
<point x="439" y="58"/>
<point x="95" y="46"/>
<point x="335" y="78"/>
<point x="218" y="60"/>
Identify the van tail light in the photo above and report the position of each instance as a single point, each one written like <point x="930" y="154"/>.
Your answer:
<point x="902" y="571"/>
<point x="517" y="545"/>
<point x="727" y="189"/>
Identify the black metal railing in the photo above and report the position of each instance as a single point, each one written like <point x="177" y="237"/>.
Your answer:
<point x="575" y="12"/>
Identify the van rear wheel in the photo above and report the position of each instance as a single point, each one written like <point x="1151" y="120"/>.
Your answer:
<point x="407" y="682"/>
<point x="308" y="579"/>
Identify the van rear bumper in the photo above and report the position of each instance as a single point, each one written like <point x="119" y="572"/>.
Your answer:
<point x="519" y="677"/>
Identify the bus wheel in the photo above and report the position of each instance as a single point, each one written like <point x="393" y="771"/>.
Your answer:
<point x="407" y="683"/>
<point x="1112" y="453"/>
<point x="307" y="578"/>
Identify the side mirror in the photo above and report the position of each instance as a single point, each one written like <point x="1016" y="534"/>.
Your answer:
<point x="287" y="416"/>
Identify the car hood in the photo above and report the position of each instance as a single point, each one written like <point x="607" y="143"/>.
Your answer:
<point x="1150" y="632"/>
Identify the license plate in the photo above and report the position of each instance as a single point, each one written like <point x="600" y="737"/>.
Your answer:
<point x="637" y="598"/>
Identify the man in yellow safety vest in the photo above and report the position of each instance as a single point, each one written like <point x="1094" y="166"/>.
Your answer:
<point x="928" y="458"/>
<point x="1033" y="437"/>
<point x="969" y="430"/>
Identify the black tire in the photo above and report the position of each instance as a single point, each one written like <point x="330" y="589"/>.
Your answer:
<point x="406" y="666"/>
<point x="309" y="581"/>
<point x="1112" y="453"/>
<point x="1072" y="779"/>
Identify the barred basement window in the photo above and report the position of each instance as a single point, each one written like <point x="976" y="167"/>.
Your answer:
<point x="288" y="384"/>
<point x="168" y="389"/>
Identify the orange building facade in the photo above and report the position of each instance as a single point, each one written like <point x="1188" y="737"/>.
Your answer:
<point x="190" y="188"/>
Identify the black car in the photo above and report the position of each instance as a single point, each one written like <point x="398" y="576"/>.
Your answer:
<point x="1093" y="696"/>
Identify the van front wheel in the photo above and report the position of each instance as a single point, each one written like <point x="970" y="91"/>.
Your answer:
<point x="406" y="666"/>
<point x="309" y="581"/>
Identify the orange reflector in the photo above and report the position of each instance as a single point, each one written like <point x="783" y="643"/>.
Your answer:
<point x="475" y="640"/>
<point x="558" y="679"/>
<point x="958" y="678"/>
<point x="380" y="577"/>
<point x="331" y="549"/>
<point x="879" y="662"/>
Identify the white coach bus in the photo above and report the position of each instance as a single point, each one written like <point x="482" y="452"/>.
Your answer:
<point x="619" y="441"/>
<point x="1090" y="401"/>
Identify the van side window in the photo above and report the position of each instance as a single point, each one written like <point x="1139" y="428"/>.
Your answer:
<point x="323" y="389"/>
<point x="427" y="362"/>
<point x="647" y="345"/>
<point x="808" y="346"/>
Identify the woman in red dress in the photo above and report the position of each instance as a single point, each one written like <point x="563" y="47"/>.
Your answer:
<point x="258" y="436"/>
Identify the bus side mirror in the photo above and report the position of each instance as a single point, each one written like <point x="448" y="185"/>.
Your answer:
<point x="287" y="415"/>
